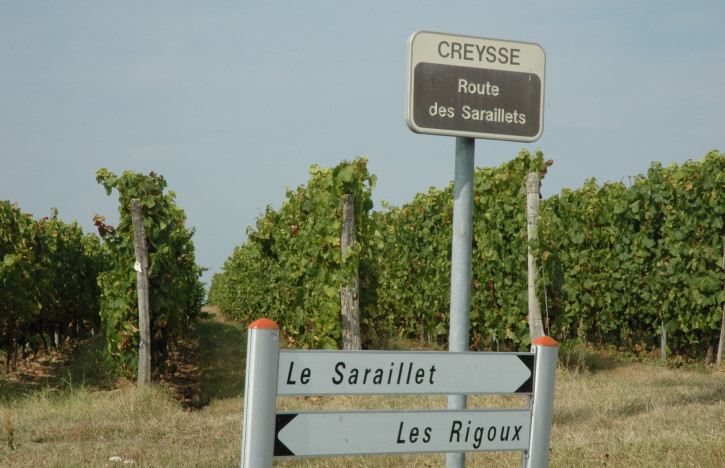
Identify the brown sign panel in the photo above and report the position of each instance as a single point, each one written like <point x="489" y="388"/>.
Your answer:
<point x="475" y="87"/>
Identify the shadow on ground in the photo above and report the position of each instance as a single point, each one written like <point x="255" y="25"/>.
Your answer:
<point x="81" y="365"/>
<point x="222" y="363"/>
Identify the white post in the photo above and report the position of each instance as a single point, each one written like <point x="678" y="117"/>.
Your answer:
<point x="542" y="411"/>
<point x="260" y="394"/>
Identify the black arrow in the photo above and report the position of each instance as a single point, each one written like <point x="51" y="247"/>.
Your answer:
<point x="528" y="385"/>
<point x="280" y="449"/>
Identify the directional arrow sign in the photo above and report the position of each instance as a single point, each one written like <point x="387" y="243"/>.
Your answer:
<point x="386" y="372"/>
<point x="369" y="432"/>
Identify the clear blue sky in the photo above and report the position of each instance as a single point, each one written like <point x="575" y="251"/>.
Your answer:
<point x="232" y="101"/>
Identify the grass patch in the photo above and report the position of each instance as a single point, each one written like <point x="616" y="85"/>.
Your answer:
<point x="87" y="367"/>
<point x="575" y="357"/>
<point x="222" y="362"/>
<point x="87" y="428"/>
<point x="607" y="412"/>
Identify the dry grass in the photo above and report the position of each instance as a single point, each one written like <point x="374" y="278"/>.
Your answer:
<point x="633" y="415"/>
<point x="87" y="428"/>
<point x="640" y="415"/>
<point x="613" y="414"/>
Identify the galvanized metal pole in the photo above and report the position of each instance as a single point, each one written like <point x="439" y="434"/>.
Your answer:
<point x="260" y="394"/>
<point x="461" y="267"/>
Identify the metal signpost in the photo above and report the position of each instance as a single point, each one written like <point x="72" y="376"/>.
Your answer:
<point x="471" y="87"/>
<point x="272" y="372"/>
<point x="467" y="87"/>
<point x="475" y="87"/>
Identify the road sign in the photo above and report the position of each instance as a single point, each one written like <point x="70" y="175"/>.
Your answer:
<point x="379" y="432"/>
<point x="475" y="87"/>
<point x="267" y="433"/>
<point x="387" y="372"/>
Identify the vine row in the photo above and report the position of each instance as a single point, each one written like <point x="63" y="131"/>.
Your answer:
<point x="176" y="294"/>
<point x="48" y="290"/>
<point x="618" y="263"/>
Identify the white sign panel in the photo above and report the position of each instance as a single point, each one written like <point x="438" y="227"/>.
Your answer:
<point x="475" y="87"/>
<point x="387" y="372"/>
<point x="370" y="432"/>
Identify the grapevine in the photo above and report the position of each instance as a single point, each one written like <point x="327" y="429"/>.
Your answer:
<point x="176" y="292"/>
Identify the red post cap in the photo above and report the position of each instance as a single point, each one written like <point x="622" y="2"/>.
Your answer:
<point x="546" y="341"/>
<point x="264" y="323"/>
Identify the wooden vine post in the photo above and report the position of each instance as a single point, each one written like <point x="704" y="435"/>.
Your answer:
<point x="142" y="287"/>
<point x="722" y="324"/>
<point x="663" y="341"/>
<point x="533" y="185"/>
<point x="349" y="291"/>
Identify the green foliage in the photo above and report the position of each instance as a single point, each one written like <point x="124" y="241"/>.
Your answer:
<point x="413" y="267"/>
<point x="48" y="273"/>
<point x="70" y="263"/>
<point x="176" y="294"/>
<point x="621" y="261"/>
<point x="19" y="306"/>
<point x="616" y="261"/>
<point x="291" y="268"/>
<point x="499" y="299"/>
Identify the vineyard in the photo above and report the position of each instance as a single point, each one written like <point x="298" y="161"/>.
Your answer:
<point x="619" y="264"/>
<point x="59" y="285"/>
<point x="624" y="263"/>
<point x="291" y="269"/>
<point x="48" y="290"/>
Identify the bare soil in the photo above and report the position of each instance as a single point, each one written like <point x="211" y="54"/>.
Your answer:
<point x="52" y="369"/>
